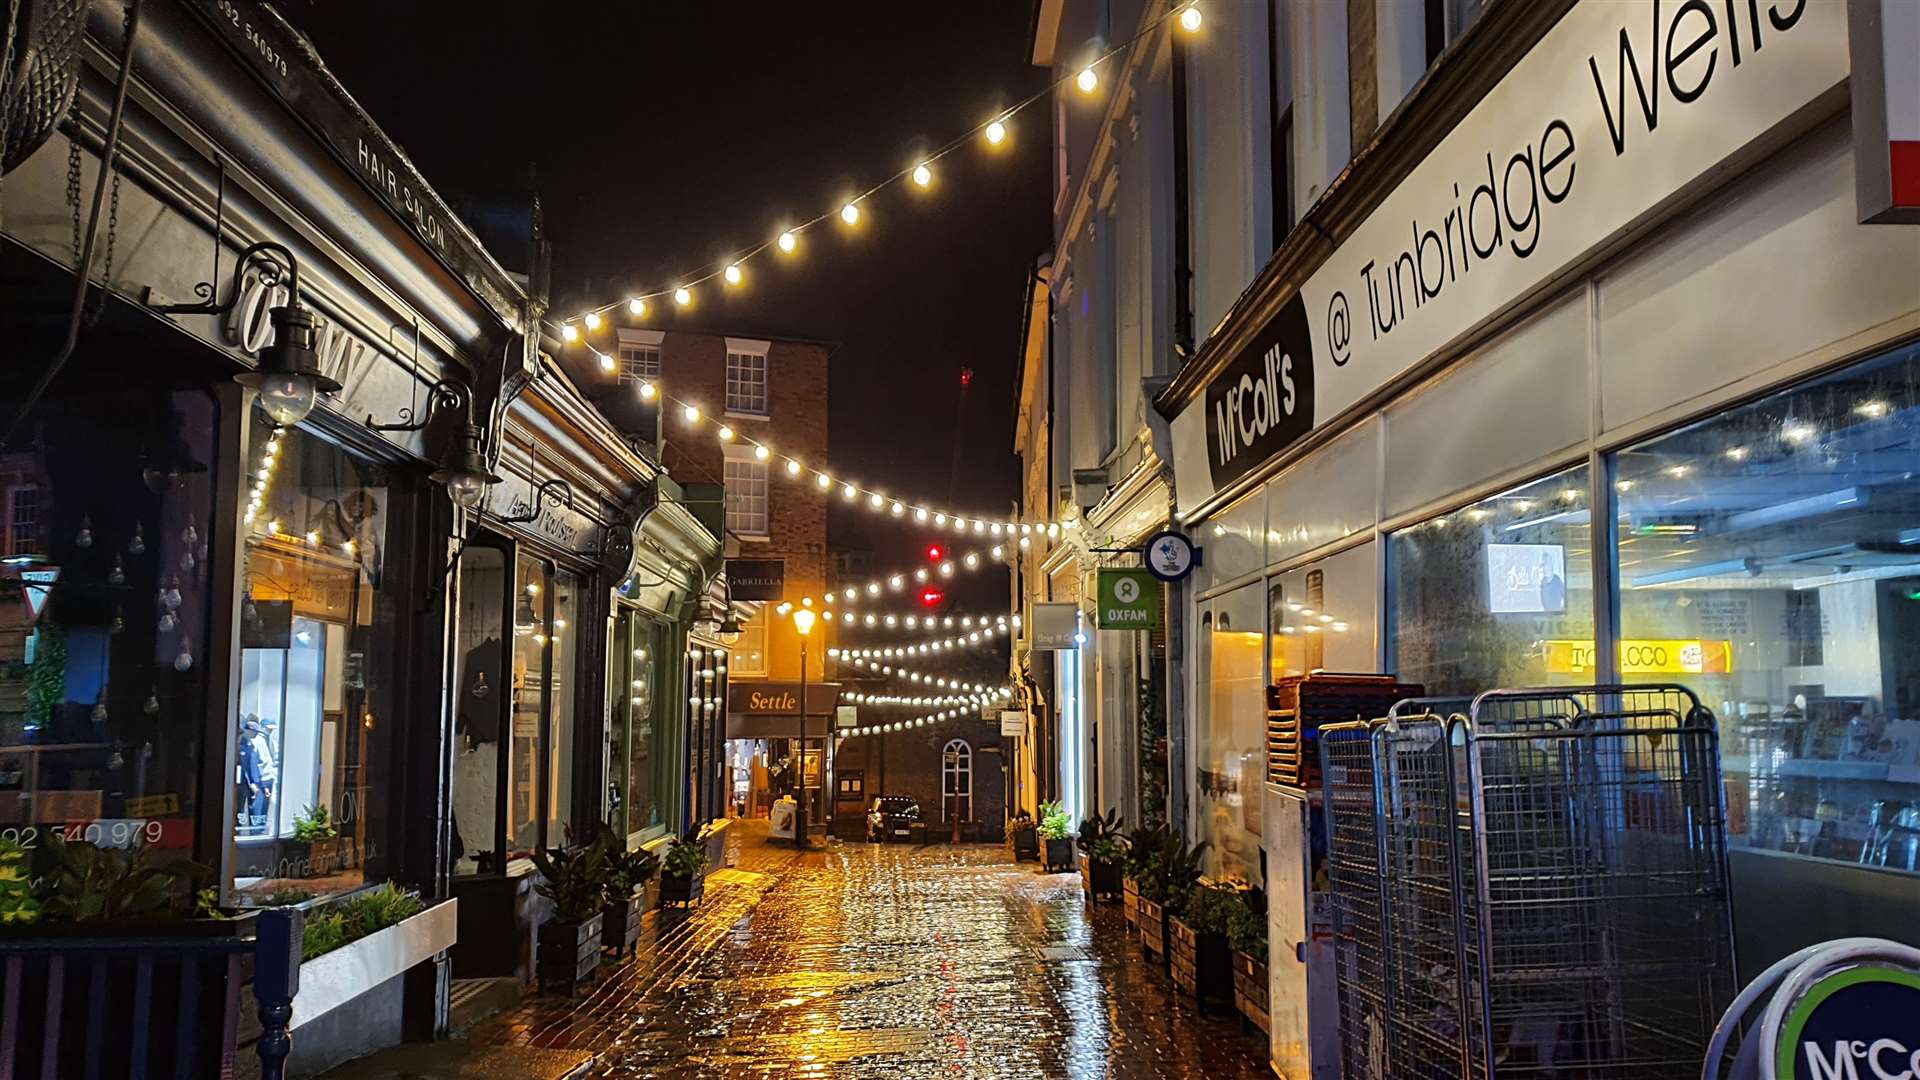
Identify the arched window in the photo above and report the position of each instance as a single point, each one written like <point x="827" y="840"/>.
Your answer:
<point x="956" y="780"/>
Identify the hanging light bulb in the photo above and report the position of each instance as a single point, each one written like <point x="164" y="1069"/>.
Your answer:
<point x="1190" y="18"/>
<point x="636" y="306"/>
<point x="898" y="509"/>
<point x="726" y="433"/>
<point x="692" y="413"/>
<point x="919" y="513"/>
<point x="997" y="132"/>
<point x="788" y="242"/>
<point x="138" y="545"/>
<point x="732" y="274"/>
<point x="569" y="333"/>
<point x="1086" y="80"/>
<point x="606" y="361"/>
<point x="116" y="576"/>
<point x="793" y="467"/>
<point x="876" y="500"/>
<point x="762" y="453"/>
<point x="647" y="391"/>
<point x="922" y="175"/>
<point x="849" y="491"/>
<point x="152" y="704"/>
<point x="682" y="296"/>
<point x="184" y="660"/>
<point x="824" y="481"/>
<point x="84" y="538"/>
<point x="850" y="214"/>
<point x="592" y="320"/>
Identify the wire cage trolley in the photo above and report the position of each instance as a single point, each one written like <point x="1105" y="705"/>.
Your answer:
<point x="1532" y="884"/>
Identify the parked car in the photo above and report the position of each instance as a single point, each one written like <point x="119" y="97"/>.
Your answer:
<point x="892" y="817"/>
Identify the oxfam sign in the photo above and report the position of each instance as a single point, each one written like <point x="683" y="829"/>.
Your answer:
<point x="1129" y="600"/>
<point x="1860" y="1023"/>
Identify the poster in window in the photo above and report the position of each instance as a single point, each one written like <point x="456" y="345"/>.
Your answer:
<point x="1526" y="579"/>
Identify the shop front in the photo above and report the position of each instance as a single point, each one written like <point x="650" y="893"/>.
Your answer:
<point x="783" y="756"/>
<point x="1623" y="443"/>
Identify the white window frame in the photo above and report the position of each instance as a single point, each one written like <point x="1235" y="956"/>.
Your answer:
<point x="13" y="545"/>
<point x="748" y="656"/>
<point x="740" y="459"/>
<point x="950" y="773"/>
<point x="633" y="345"/>
<point x="742" y="404"/>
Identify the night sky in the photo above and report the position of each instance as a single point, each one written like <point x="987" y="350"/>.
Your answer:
<point x="665" y="135"/>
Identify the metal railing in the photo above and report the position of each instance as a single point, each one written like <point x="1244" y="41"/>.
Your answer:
<point x="146" y="1008"/>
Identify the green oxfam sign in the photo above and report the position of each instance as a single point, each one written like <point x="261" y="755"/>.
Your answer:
<point x="1129" y="600"/>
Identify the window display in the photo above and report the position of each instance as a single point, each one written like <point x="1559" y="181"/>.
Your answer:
<point x="529" y="690"/>
<point x="1770" y="560"/>
<point x="1495" y="594"/>
<point x="482" y="683"/>
<point x="1232" y="732"/>
<point x="635" y="737"/>
<point x="310" y="721"/>
<point x="105" y="607"/>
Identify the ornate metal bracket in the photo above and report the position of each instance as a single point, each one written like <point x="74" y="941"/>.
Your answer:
<point x="544" y="493"/>
<point x="444" y="393"/>
<point x="271" y="271"/>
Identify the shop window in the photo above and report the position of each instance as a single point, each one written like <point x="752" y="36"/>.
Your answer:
<point x="636" y="740"/>
<point x="1230" y="758"/>
<point x="561" y="691"/>
<point x="956" y="780"/>
<point x="313" y="717"/>
<point x="106" y="598"/>
<point x="749" y="654"/>
<point x="1769" y="559"/>
<point x="1498" y="593"/>
<point x="529" y="676"/>
<point x="747" y="383"/>
<point x="746" y="484"/>
<point x="1321" y="616"/>
<point x="484" y="686"/>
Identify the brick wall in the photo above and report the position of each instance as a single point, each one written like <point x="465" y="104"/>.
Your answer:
<point x="1363" y="76"/>
<point x="912" y="767"/>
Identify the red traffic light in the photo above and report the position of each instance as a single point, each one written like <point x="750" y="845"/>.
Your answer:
<point x="935" y="553"/>
<point x="931" y="597"/>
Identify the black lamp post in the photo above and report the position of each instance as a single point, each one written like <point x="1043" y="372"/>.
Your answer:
<point x="802" y="622"/>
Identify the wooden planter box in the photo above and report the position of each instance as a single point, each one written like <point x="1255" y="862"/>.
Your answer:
<point x="1250" y="990"/>
<point x="1202" y="963"/>
<point x="681" y="891"/>
<point x="569" y="955"/>
<point x="1100" y="878"/>
<point x="1057" y="854"/>
<point x="620" y="924"/>
<point x="1130" y="903"/>
<point x="1026" y="844"/>
<point x="1153" y="929"/>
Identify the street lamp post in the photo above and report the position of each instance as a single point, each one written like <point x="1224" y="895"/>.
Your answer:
<point x="802" y="622"/>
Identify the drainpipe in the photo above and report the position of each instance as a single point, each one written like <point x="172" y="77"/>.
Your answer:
<point x="1182" y="219"/>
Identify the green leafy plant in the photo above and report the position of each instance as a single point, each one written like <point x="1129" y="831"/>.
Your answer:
<point x="1247" y="925"/>
<point x="627" y="870"/>
<point x="17" y="904"/>
<point x="1100" y="837"/>
<point x="576" y="879"/>
<point x="323" y="933"/>
<point x="88" y="883"/>
<point x="312" y="824"/>
<point x="354" y="918"/>
<point x="686" y="855"/>
<point x="1163" y="866"/>
<point x="1054" y="822"/>
<point x="1145" y="847"/>
<point x="1212" y="909"/>
<point x="48" y="687"/>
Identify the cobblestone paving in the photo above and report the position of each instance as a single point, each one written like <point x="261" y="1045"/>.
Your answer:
<point x="868" y="961"/>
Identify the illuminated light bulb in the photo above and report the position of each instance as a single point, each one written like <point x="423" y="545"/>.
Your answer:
<point x="788" y="242"/>
<point x="922" y="175"/>
<point x="682" y="296"/>
<point x="726" y="433"/>
<point x="1086" y="80"/>
<point x="896" y="582"/>
<point x="979" y="526"/>
<point x="871" y="620"/>
<point x="920" y="574"/>
<point x="849" y="594"/>
<point x="593" y="321"/>
<point x="1190" y="18"/>
<point x="569" y="333"/>
<point x="692" y="413"/>
<point x="647" y="391"/>
<point x="606" y="362"/>
<point x="873" y="589"/>
<point x="898" y="509"/>
<point x="824" y="481"/>
<point x="1025" y="541"/>
<point x="919" y="513"/>
<point x="313" y="539"/>
<point x="762" y="453"/>
<point x="847" y="618"/>
<point x="939" y="519"/>
<point x="997" y="132"/>
<point x="733" y="275"/>
<point x="636" y="306"/>
<point x="876" y="500"/>
<point x="998" y="551"/>
<point x="849" y="491"/>
<point x="850" y="214"/>
<point x="946" y="568"/>
<point x="793" y="467"/>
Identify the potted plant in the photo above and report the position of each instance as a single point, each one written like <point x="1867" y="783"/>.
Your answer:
<point x="1247" y="934"/>
<point x="1056" y="838"/>
<point x="683" y="871"/>
<point x="628" y="871"/>
<point x="1101" y="852"/>
<point x="315" y="849"/>
<point x="1170" y="877"/>
<point x="1197" y="943"/>
<point x="1143" y="847"/>
<point x="575" y="880"/>
<point x="1021" y="834"/>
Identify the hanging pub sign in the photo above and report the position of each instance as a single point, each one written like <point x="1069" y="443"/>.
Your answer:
<point x="757" y="579"/>
<point x="1129" y="600"/>
<point x="1054" y="626"/>
<point x="1170" y="556"/>
<point x="1616" y="113"/>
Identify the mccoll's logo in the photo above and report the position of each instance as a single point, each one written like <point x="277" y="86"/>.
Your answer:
<point x="1860" y="1023"/>
<point x="1263" y="399"/>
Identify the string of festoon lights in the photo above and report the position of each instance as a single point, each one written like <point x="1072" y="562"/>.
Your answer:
<point x="918" y="701"/>
<point x="994" y="131"/>
<point x="922" y="648"/>
<point x="910" y="621"/>
<point x="897" y="671"/>
<point x="958" y="713"/>
<point x="919" y="511"/>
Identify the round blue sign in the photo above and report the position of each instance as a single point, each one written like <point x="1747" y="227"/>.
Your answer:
<point x="1169" y="556"/>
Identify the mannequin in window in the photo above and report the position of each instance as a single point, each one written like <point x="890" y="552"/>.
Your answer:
<point x="259" y="773"/>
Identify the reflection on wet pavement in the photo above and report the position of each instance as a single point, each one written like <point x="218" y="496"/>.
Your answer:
<point x="869" y="961"/>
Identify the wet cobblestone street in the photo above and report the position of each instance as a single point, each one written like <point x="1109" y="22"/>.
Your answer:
<point x="871" y="961"/>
